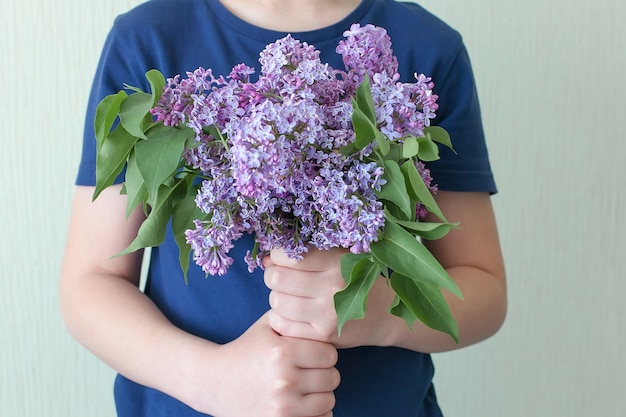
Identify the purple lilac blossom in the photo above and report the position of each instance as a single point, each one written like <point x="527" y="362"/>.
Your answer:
<point x="367" y="50"/>
<point x="275" y="170"/>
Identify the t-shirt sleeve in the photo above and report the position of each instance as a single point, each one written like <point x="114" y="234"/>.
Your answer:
<point x="113" y="71"/>
<point x="467" y="168"/>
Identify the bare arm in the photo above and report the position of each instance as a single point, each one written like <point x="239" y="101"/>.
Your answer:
<point x="105" y="311"/>
<point x="473" y="258"/>
<point x="302" y="292"/>
<point x="100" y="300"/>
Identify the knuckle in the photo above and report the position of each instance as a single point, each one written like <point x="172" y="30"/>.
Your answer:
<point x="278" y="408"/>
<point x="268" y="277"/>
<point x="278" y="354"/>
<point x="327" y="332"/>
<point x="275" y="277"/>
<point x="274" y="299"/>
<point x="279" y="325"/>
<point x="328" y="403"/>
<point x="284" y="384"/>
<point x="333" y="356"/>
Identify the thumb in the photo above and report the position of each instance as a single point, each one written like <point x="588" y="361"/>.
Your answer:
<point x="278" y="256"/>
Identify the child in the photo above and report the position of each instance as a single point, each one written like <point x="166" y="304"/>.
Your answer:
<point x="265" y="344"/>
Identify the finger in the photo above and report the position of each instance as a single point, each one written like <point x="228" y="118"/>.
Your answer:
<point x="267" y="261"/>
<point x="308" y="405"/>
<point x="317" y="404"/>
<point x="295" y="308"/>
<point x="313" y="260"/>
<point x="302" y="317"/>
<point x="319" y="381"/>
<point x="289" y="281"/>
<point x="294" y="329"/>
<point x="311" y="354"/>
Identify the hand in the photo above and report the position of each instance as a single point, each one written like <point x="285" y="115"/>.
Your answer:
<point x="302" y="303"/>
<point x="268" y="375"/>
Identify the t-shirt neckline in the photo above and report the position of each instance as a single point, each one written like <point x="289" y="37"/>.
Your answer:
<point x="251" y="31"/>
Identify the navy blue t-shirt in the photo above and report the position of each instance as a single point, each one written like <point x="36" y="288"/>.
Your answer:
<point x="179" y="36"/>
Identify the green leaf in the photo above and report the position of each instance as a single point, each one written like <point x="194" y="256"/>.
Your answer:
<point x="396" y="213"/>
<point x="157" y="82"/>
<point x="382" y="142"/>
<point x="350" y="302"/>
<point x="394" y="154"/>
<point x="135" y="113"/>
<point x="439" y="135"/>
<point x="132" y="88"/>
<point x="364" y="119"/>
<point x="406" y="255"/>
<point x="158" y="157"/>
<point x="184" y="212"/>
<point x="168" y="196"/>
<point x="399" y="309"/>
<point x="410" y="147"/>
<point x="395" y="189"/>
<point x="348" y="261"/>
<point x="106" y="113"/>
<point x="428" y="150"/>
<point x="364" y="100"/>
<point x="152" y="231"/>
<point x="427" y="303"/>
<point x="135" y="187"/>
<point x="349" y="149"/>
<point x="363" y="127"/>
<point x="426" y="230"/>
<point x="418" y="190"/>
<point x="111" y="158"/>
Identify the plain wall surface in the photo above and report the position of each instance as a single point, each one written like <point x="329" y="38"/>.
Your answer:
<point x="551" y="80"/>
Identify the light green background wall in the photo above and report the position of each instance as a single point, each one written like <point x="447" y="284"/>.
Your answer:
<point x="551" y="78"/>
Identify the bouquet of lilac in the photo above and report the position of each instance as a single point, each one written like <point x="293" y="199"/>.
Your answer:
<point x="305" y="156"/>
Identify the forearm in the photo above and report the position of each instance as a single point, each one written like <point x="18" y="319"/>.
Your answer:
<point x="472" y="257"/>
<point x="260" y="373"/>
<point x="257" y="373"/>
<point x="120" y="325"/>
<point x="102" y="305"/>
<point x="479" y="314"/>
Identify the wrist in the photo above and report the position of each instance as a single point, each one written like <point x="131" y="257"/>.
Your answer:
<point x="192" y="372"/>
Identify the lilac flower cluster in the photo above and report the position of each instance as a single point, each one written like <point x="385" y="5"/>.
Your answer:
<point x="268" y="150"/>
